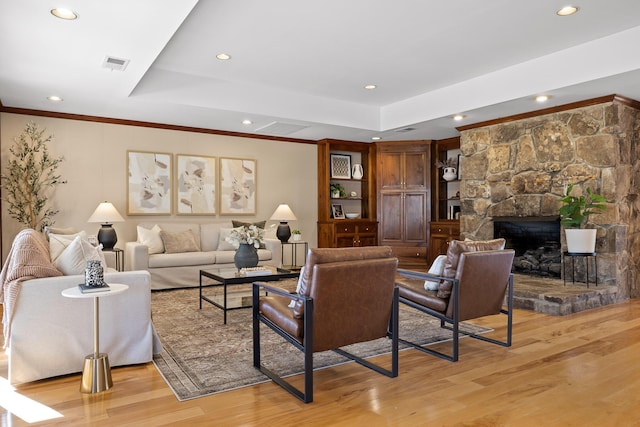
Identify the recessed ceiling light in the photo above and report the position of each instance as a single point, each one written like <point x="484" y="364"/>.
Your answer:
<point x="542" y="98"/>
<point x="376" y="138"/>
<point x="223" y="56"/>
<point x="63" y="13"/>
<point x="567" y="10"/>
<point x="458" y="117"/>
<point x="54" y="98"/>
<point x="247" y="122"/>
<point x="370" y="87"/>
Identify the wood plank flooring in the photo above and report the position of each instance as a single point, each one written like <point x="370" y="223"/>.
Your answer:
<point x="577" y="370"/>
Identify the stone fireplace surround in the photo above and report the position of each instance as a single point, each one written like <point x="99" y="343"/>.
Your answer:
<point x="520" y="167"/>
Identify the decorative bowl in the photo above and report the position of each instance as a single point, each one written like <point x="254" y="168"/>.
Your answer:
<point x="352" y="215"/>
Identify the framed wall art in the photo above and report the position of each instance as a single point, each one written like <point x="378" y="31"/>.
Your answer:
<point x="148" y="183"/>
<point x="337" y="211"/>
<point x="237" y="186"/>
<point x="340" y="166"/>
<point x="195" y="185"/>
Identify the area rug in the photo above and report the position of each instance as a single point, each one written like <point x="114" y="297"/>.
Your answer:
<point x="202" y="356"/>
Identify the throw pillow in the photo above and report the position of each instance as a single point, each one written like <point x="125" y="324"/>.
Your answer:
<point x="259" y="224"/>
<point x="151" y="238"/>
<point x="456" y="247"/>
<point x="59" y="242"/>
<point x="223" y="245"/>
<point x="58" y="230"/>
<point x="179" y="241"/>
<point x="293" y="302"/>
<point x="436" y="269"/>
<point x="73" y="259"/>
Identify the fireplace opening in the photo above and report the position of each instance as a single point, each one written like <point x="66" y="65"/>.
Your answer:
<point x="536" y="242"/>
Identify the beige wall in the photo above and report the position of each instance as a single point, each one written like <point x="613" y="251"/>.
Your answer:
<point x="95" y="168"/>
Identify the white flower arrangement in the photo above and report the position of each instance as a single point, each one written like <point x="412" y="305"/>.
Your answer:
<point x="250" y="235"/>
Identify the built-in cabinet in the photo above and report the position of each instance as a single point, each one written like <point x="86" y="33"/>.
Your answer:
<point x="445" y="222"/>
<point x="440" y="234"/>
<point x="359" y="197"/>
<point x="404" y="206"/>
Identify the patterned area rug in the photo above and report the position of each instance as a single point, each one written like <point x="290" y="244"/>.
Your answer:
<point x="202" y="356"/>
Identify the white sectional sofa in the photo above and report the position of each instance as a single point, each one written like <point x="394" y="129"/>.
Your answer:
<point x="175" y="268"/>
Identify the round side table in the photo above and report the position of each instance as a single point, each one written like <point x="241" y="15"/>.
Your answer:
<point x="96" y="374"/>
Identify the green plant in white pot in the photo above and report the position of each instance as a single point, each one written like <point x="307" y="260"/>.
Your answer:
<point x="574" y="215"/>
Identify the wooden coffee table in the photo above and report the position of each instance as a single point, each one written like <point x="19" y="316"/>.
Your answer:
<point x="230" y="276"/>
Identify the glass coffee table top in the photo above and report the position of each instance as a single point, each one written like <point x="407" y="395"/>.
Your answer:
<point x="224" y="277"/>
<point x="232" y="275"/>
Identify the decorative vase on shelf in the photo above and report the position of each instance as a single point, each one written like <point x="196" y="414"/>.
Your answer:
<point x="357" y="172"/>
<point x="449" y="174"/>
<point x="246" y="256"/>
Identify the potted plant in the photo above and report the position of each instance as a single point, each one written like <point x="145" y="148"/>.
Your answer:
<point x="30" y="178"/>
<point x="337" y="191"/>
<point x="574" y="214"/>
<point x="297" y="235"/>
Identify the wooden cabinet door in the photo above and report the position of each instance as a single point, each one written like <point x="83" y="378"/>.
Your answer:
<point x="414" y="212"/>
<point x="415" y="171"/>
<point x="438" y="244"/>
<point x="390" y="173"/>
<point x="391" y="219"/>
<point x="344" y="241"/>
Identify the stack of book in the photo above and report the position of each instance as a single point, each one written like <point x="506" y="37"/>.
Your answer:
<point x="90" y="289"/>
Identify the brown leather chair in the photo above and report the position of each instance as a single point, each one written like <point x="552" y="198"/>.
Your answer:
<point x="346" y="296"/>
<point x="478" y="289"/>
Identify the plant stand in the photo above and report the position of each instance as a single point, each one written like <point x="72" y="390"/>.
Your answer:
<point x="573" y="256"/>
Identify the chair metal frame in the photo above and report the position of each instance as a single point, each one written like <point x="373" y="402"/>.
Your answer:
<point x="307" y="346"/>
<point x="454" y="320"/>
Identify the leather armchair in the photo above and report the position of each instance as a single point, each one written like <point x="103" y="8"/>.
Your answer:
<point x="346" y="296"/>
<point x="482" y="280"/>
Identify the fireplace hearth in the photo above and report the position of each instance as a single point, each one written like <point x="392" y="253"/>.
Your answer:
<point x="536" y="242"/>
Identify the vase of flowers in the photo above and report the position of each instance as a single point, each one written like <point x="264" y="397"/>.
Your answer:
<point x="247" y="240"/>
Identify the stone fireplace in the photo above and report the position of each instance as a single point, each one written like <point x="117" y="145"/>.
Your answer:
<point x="520" y="167"/>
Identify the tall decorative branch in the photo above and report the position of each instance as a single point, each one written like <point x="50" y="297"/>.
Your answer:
<point x="30" y="178"/>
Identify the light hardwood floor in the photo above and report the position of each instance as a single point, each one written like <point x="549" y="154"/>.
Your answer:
<point x="578" y="370"/>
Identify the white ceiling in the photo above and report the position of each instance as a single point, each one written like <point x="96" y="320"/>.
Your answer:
<point x="298" y="68"/>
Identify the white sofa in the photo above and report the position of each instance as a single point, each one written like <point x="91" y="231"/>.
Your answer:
<point x="52" y="334"/>
<point x="180" y="270"/>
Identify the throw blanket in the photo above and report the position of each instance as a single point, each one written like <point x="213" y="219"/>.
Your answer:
<point x="27" y="259"/>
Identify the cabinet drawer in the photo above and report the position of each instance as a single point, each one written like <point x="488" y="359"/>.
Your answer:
<point x="446" y="229"/>
<point x="409" y="251"/>
<point x="345" y="228"/>
<point x="367" y="227"/>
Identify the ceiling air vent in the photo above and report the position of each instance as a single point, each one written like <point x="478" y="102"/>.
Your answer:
<point x="278" y="128"/>
<point x="405" y="130"/>
<point x="114" y="63"/>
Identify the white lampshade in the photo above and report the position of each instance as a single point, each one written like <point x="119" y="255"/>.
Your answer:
<point x="106" y="213"/>
<point x="283" y="213"/>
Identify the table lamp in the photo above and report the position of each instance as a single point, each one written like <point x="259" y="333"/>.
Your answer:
<point x="106" y="214"/>
<point x="283" y="214"/>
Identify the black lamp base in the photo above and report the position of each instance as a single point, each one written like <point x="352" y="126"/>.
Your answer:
<point x="283" y="232"/>
<point x="107" y="236"/>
